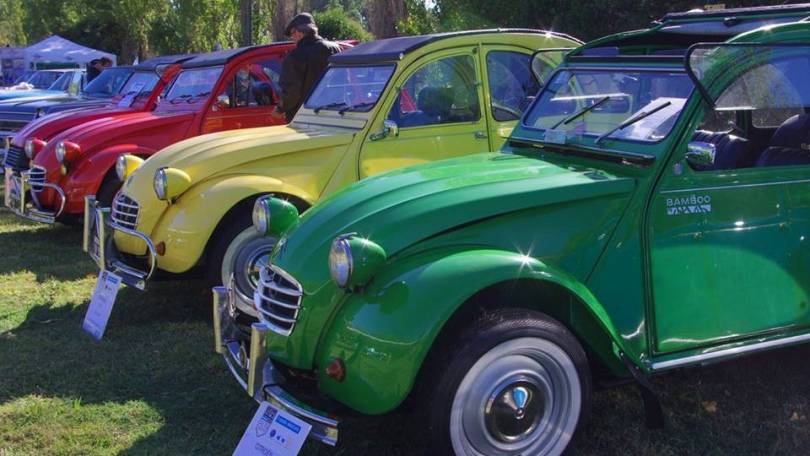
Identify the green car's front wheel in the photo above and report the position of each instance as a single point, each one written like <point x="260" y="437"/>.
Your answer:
<point x="240" y="252"/>
<point x="518" y="383"/>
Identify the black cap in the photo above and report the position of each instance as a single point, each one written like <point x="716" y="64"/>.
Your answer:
<point x="299" y="19"/>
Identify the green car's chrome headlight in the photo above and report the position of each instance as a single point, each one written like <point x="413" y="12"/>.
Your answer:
<point x="170" y="183"/>
<point x="273" y="216"/>
<point x="354" y="260"/>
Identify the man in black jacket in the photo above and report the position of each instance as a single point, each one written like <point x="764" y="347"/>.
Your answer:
<point x="304" y="65"/>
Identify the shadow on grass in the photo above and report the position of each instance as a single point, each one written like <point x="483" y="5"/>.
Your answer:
<point x="50" y="252"/>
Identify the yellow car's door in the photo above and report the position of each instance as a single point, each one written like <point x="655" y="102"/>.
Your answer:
<point x="435" y="113"/>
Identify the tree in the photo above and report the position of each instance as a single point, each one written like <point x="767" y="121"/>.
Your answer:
<point x="334" y="24"/>
<point x="11" y="23"/>
<point x="384" y="16"/>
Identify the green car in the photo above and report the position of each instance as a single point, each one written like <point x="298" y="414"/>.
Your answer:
<point x="651" y="211"/>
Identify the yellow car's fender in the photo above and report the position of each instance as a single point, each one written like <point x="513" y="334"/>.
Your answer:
<point x="186" y="226"/>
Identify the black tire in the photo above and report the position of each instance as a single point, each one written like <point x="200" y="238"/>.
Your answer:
<point x="108" y="188"/>
<point x="236" y="224"/>
<point x="485" y="341"/>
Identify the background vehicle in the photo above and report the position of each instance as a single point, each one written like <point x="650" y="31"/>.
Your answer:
<point x="380" y="105"/>
<point x="137" y="89"/>
<point x="628" y="226"/>
<point x="81" y="160"/>
<point x="43" y="83"/>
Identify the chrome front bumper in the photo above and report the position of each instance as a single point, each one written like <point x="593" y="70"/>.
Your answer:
<point x="97" y="241"/>
<point x="17" y="192"/>
<point x="246" y="357"/>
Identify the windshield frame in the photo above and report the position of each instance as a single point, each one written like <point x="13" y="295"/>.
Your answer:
<point x="703" y="89"/>
<point x="612" y="68"/>
<point x="377" y="103"/>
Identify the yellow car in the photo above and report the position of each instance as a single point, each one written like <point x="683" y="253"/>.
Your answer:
<point x="380" y="105"/>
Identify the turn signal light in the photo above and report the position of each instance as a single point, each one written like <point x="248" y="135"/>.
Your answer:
<point x="160" y="248"/>
<point x="336" y="370"/>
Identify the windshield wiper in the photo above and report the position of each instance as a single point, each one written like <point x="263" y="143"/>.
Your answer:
<point x="581" y="112"/>
<point x="631" y="120"/>
<point x="355" y="107"/>
<point x="327" y="106"/>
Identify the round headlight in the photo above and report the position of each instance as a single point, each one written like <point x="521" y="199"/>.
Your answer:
<point x="121" y="167"/>
<point x="29" y="148"/>
<point x="340" y="261"/>
<point x="261" y="214"/>
<point x="60" y="151"/>
<point x="160" y="183"/>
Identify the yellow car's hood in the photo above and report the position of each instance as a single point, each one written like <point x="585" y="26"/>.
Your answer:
<point x="224" y="153"/>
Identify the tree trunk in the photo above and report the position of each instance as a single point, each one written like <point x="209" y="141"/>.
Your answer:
<point x="283" y="12"/>
<point x="246" y="20"/>
<point x="384" y="15"/>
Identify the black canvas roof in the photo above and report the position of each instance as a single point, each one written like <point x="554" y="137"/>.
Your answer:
<point x="394" y="49"/>
<point x="739" y="12"/>
<point x="675" y="32"/>
<point x="222" y="57"/>
<point x="154" y="62"/>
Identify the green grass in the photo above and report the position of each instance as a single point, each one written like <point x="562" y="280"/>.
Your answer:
<point x="154" y="385"/>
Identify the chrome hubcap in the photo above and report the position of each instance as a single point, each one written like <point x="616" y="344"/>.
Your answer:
<point x="522" y="397"/>
<point x="514" y="411"/>
<point x="254" y="264"/>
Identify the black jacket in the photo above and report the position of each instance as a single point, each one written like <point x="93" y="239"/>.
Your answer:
<point x="301" y="70"/>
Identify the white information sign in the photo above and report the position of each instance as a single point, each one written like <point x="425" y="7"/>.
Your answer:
<point x="555" y="136"/>
<point x="95" y="321"/>
<point x="273" y="432"/>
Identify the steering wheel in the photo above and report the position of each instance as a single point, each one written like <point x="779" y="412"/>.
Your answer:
<point x="737" y="129"/>
<point x="511" y="111"/>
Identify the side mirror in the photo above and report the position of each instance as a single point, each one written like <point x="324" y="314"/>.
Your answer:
<point x="700" y="154"/>
<point x="390" y="128"/>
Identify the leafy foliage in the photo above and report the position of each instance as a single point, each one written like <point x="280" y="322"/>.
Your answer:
<point x="334" y="24"/>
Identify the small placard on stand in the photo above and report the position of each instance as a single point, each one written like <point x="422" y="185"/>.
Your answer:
<point x="98" y="313"/>
<point x="273" y="432"/>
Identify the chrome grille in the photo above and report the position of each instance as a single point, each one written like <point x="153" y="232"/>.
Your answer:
<point x="278" y="299"/>
<point x="36" y="177"/>
<point x="125" y="211"/>
<point x="15" y="158"/>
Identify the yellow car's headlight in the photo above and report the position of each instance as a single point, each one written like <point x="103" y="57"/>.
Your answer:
<point x="169" y="183"/>
<point x="125" y="165"/>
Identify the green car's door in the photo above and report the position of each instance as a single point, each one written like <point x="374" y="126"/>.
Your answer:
<point x="436" y="108"/>
<point x="729" y="238"/>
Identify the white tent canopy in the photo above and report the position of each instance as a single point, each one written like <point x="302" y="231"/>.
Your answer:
<point x="56" y="49"/>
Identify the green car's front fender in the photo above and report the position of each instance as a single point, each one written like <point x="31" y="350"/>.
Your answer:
<point x="384" y="333"/>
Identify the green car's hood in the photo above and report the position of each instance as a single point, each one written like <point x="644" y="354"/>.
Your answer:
<point x="401" y="208"/>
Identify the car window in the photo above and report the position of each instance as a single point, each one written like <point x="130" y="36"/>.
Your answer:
<point x="442" y="91"/>
<point x="193" y="85"/>
<point x="253" y="84"/>
<point x="108" y="82"/>
<point x="512" y="85"/>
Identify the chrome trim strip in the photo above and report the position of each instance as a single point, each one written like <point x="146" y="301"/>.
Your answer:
<point x="276" y="317"/>
<point x="724" y="187"/>
<point x="729" y="352"/>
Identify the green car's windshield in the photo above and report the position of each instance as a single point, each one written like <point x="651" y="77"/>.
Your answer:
<point x="350" y="88"/>
<point x="626" y="105"/>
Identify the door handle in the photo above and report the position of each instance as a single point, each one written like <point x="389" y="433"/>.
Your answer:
<point x="480" y="135"/>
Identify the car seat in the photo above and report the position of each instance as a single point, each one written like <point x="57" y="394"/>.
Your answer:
<point x="790" y="143"/>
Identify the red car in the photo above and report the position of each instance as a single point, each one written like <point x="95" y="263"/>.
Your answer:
<point x="138" y="88"/>
<point x="213" y="92"/>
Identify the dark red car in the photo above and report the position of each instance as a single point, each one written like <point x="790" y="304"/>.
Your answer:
<point x="133" y="88"/>
<point x="213" y="92"/>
